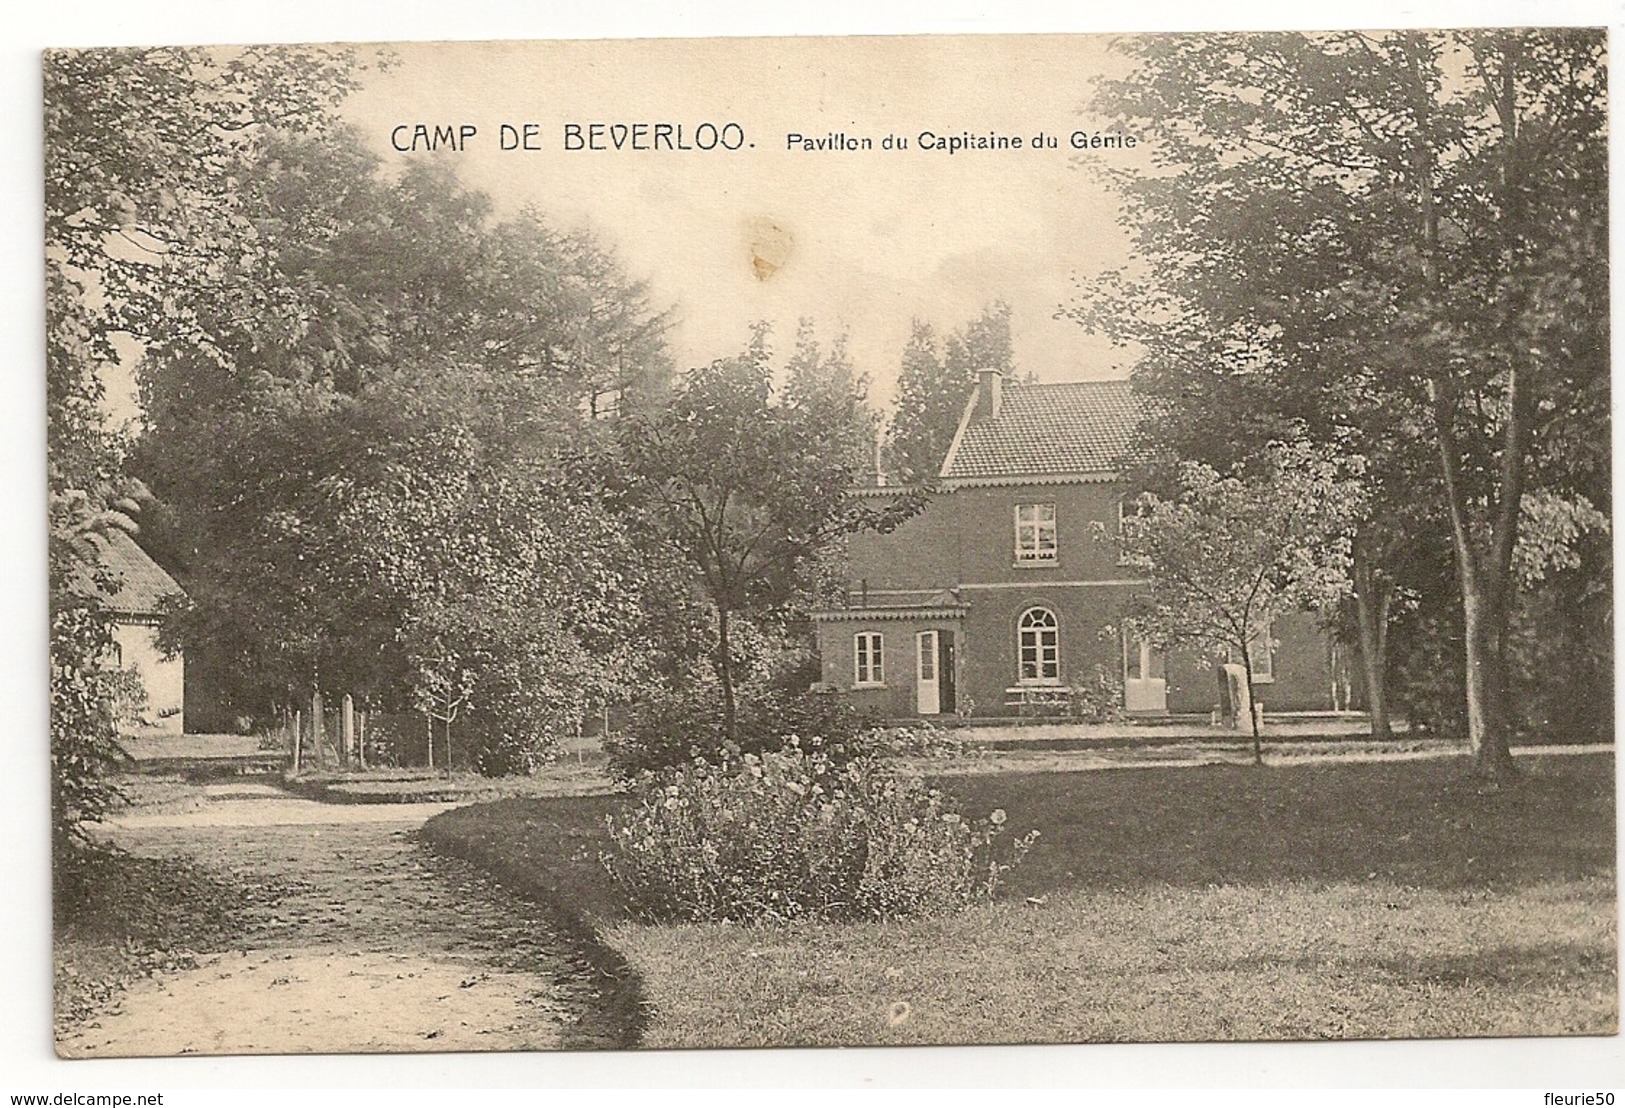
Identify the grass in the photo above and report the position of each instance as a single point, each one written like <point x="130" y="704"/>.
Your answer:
<point x="1207" y="903"/>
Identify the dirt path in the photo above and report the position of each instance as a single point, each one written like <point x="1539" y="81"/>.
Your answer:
<point x="378" y="945"/>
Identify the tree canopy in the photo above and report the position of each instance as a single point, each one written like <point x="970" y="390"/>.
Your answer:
<point x="750" y="483"/>
<point x="373" y="499"/>
<point x="363" y="396"/>
<point x="138" y="188"/>
<point x="934" y="380"/>
<point x="1397" y="241"/>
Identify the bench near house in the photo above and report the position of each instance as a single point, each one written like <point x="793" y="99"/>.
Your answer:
<point x="998" y="598"/>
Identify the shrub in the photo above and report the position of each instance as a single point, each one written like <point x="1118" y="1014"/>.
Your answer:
<point x="789" y="835"/>
<point x="1100" y="699"/>
<point x="680" y="726"/>
<point x="919" y="740"/>
<point x="84" y="719"/>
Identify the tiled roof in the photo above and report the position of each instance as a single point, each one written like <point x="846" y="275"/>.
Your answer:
<point x="141" y="582"/>
<point x="1082" y="427"/>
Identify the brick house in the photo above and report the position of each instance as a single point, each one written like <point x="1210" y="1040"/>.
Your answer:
<point x="999" y="597"/>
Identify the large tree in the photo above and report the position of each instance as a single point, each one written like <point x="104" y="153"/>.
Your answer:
<point x="750" y="484"/>
<point x="437" y="349"/>
<point x="402" y="271"/>
<point x="138" y="194"/>
<point x="1399" y="239"/>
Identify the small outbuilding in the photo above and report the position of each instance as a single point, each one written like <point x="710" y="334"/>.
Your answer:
<point x="138" y="591"/>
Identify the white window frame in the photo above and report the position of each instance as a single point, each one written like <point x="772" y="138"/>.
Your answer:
<point x="1046" y="655"/>
<point x="868" y="660"/>
<point x="1035" y="522"/>
<point x="1263" y="652"/>
<point x="1126" y="506"/>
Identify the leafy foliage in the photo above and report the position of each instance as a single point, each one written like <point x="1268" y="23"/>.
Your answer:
<point x="137" y="192"/>
<point x="751" y="488"/>
<point x="350" y="491"/>
<point x="933" y="382"/>
<point x="1234" y="552"/>
<point x="1398" y="240"/>
<point x="672" y="728"/>
<point x="85" y="704"/>
<point x="789" y="835"/>
<point x="361" y="414"/>
<point x="1100" y="698"/>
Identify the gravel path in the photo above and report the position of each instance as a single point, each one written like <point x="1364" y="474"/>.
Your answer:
<point x="377" y="945"/>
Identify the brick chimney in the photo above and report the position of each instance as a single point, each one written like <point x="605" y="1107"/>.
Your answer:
<point x="989" y="393"/>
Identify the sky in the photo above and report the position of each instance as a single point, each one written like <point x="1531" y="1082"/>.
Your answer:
<point x="860" y="241"/>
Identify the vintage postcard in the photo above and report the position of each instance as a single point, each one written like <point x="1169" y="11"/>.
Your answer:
<point x="888" y="541"/>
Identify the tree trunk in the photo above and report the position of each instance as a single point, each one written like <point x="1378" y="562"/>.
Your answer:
<point x="1372" y="599"/>
<point x="1486" y="574"/>
<point x="725" y="676"/>
<point x="1252" y="704"/>
<point x="1373" y="661"/>
<point x="1488" y="717"/>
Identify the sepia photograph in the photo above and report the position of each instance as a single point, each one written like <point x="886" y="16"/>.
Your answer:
<point x="660" y="544"/>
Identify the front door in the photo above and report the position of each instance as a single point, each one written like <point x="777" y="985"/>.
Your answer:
<point x="927" y="671"/>
<point x="946" y="669"/>
<point x="1145" y="678"/>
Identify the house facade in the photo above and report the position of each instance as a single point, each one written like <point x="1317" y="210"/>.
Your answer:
<point x="1003" y="596"/>
<point x="138" y="588"/>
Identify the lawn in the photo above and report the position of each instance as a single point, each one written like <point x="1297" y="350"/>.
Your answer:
<point x="1203" y="903"/>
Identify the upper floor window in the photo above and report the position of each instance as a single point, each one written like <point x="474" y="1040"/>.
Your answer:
<point x="1038" y="642"/>
<point x="1128" y="507"/>
<point x="1035" y="534"/>
<point x="866" y="659"/>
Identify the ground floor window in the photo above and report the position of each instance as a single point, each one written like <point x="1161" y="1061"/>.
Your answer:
<point x="866" y="653"/>
<point x="1039" y="647"/>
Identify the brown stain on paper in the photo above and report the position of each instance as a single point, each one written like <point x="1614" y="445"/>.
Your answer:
<point x="769" y="245"/>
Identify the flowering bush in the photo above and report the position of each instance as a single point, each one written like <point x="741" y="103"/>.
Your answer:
<point x="788" y="834"/>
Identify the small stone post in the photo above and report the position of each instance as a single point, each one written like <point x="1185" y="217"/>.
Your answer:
<point x="346" y="729"/>
<point x="318" y="738"/>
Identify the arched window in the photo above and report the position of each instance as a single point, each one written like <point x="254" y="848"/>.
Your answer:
<point x="1039" y="643"/>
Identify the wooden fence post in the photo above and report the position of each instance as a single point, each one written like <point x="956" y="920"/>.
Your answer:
<point x="298" y="734"/>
